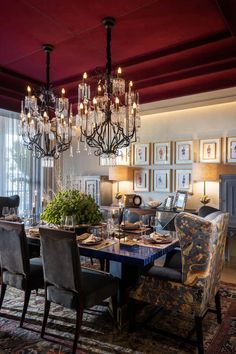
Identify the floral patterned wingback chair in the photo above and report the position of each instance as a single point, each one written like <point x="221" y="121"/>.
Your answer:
<point x="202" y="243"/>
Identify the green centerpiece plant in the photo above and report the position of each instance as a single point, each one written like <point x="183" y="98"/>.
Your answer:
<point x="72" y="202"/>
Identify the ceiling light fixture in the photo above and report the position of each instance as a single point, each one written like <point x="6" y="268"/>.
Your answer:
<point x="110" y="120"/>
<point x="46" y="121"/>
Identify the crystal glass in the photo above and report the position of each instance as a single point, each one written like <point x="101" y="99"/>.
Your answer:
<point x="144" y="222"/>
<point x="13" y="211"/>
<point x="69" y="221"/>
<point x="110" y="227"/>
<point x="5" y="211"/>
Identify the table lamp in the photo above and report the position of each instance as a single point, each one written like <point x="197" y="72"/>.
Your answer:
<point x="206" y="172"/>
<point x="118" y="174"/>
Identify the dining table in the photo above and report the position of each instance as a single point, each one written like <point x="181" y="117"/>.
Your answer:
<point x="128" y="257"/>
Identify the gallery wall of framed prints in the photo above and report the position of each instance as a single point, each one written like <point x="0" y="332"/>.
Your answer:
<point x="166" y="166"/>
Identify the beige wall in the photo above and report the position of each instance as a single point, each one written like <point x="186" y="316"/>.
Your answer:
<point x="211" y="115"/>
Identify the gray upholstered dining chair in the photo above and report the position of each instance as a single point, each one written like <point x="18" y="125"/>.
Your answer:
<point x="67" y="283"/>
<point x="18" y="270"/>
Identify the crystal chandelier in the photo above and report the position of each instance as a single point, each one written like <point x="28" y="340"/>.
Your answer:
<point x="110" y="120"/>
<point x="46" y="121"/>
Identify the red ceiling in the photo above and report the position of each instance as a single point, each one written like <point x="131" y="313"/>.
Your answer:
<point x="168" y="48"/>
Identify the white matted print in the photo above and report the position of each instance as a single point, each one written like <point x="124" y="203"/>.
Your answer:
<point x="161" y="180"/>
<point x="162" y="153"/>
<point x="183" y="152"/>
<point x="231" y="149"/>
<point x="183" y="179"/>
<point x="141" y="180"/>
<point x="210" y="150"/>
<point x="141" y="154"/>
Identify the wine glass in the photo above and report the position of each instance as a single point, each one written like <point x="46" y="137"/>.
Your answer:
<point x="69" y="221"/>
<point x="5" y="211"/>
<point x="144" y="222"/>
<point x="154" y="223"/>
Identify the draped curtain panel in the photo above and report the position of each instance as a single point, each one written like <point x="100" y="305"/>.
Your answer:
<point x="20" y="171"/>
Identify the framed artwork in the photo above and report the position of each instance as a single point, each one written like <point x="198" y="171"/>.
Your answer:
<point x="183" y="152"/>
<point x="210" y="150"/>
<point x="180" y="200"/>
<point x="162" y="153"/>
<point x="168" y="203"/>
<point x="231" y="149"/>
<point x="141" y="180"/>
<point x="123" y="158"/>
<point x="141" y="154"/>
<point x="161" y="180"/>
<point x="183" y="179"/>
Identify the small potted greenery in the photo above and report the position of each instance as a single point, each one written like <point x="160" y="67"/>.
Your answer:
<point x="72" y="202"/>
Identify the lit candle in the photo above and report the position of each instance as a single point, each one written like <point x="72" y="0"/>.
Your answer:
<point x="119" y="71"/>
<point x="95" y="103"/>
<point x="85" y="76"/>
<point x="130" y="86"/>
<point x="99" y="89"/>
<point x="81" y="107"/>
<point x="29" y="90"/>
<point x="134" y="108"/>
<point x="35" y="197"/>
<point x="117" y="103"/>
<point x="63" y="92"/>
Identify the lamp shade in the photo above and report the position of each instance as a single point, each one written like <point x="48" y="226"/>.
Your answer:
<point x="205" y="172"/>
<point x="119" y="173"/>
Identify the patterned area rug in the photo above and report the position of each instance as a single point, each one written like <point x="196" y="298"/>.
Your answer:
<point x="99" y="335"/>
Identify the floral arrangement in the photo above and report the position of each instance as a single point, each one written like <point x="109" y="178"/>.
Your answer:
<point x="205" y="199"/>
<point x="72" y="202"/>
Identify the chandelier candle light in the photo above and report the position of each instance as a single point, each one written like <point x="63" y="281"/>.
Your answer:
<point x="46" y="121"/>
<point x="110" y="120"/>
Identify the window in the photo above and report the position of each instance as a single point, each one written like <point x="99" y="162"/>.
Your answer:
<point x="20" y="171"/>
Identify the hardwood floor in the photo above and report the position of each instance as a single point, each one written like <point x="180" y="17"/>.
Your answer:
<point x="229" y="273"/>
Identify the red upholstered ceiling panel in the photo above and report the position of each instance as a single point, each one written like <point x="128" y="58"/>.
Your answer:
<point x="159" y="43"/>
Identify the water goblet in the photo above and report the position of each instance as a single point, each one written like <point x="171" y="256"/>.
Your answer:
<point x="5" y="211"/>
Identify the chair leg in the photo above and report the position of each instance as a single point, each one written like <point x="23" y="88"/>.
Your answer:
<point x="3" y="290"/>
<point x="114" y="307"/>
<point x="26" y="302"/>
<point x="131" y="314"/>
<point x="218" y="307"/>
<point x="102" y="264"/>
<point x="45" y="316"/>
<point x="198" y="322"/>
<point x="79" y="317"/>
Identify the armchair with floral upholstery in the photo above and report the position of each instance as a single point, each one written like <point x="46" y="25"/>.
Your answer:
<point x="191" y="288"/>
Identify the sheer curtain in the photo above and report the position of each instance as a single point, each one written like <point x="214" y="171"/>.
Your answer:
<point x="20" y="171"/>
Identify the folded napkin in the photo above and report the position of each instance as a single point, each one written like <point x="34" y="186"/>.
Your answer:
<point x="33" y="232"/>
<point x="92" y="239"/>
<point x="82" y="237"/>
<point x="12" y="218"/>
<point x="158" y="236"/>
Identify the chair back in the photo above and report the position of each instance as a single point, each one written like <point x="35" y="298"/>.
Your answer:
<point x="13" y="248"/>
<point x="61" y="263"/>
<point x="11" y="202"/>
<point x="206" y="210"/>
<point x="202" y="243"/>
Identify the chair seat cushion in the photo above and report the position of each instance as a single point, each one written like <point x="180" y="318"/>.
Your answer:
<point x="96" y="287"/>
<point x="174" y="260"/>
<point x="19" y="281"/>
<point x="165" y="273"/>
